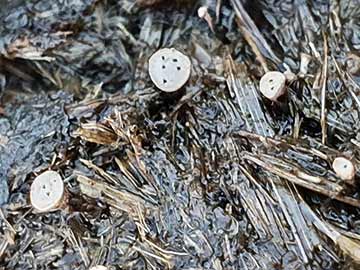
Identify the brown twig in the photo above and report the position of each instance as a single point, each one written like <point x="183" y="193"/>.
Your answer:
<point x="245" y="25"/>
<point x="323" y="91"/>
<point x="301" y="182"/>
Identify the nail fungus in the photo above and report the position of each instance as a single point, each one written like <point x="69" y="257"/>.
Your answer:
<point x="47" y="192"/>
<point x="169" y="69"/>
<point x="344" y="168"/>
<point x="272" y="85"/>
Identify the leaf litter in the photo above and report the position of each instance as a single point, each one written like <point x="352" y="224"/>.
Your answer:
<point x="214" y="176"/>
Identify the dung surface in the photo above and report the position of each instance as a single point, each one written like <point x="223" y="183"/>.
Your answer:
<point x="213" y="176"/>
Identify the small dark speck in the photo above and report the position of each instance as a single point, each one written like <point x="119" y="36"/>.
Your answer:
<point x="175" y="60"/>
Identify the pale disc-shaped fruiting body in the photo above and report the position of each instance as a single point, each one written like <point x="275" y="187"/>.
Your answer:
<point x="202" y="11"/>
<point x="169" y="69"/>
<point x="344" y="168"/>
<point x="47" y="191"/>
<point x="98" y="267"/>
<point x="272" y="85"/>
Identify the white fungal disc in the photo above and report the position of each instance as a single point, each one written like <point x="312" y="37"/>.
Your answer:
<point x="344" y="168"/>
<point x="272" y="85"/>
<point x="99" y="267"/>
<point x="47" y="191"/>
<point x="169" y="69"/>
<point x="202" y="11"/>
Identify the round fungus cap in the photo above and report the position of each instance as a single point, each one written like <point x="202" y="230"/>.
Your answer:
<point x="272" y="85"/>
<point x="344" y="168"/>
<point x="202" y="11"/>
<point x="47" y="191"/>
<point x="169" y="69"/>
<point x="99" y="267"/>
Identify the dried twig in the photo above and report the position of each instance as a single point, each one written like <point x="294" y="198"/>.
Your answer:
<point x="253" y="36"/>
<point x="332" y="191"/>
<point x="323" y="90"/>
